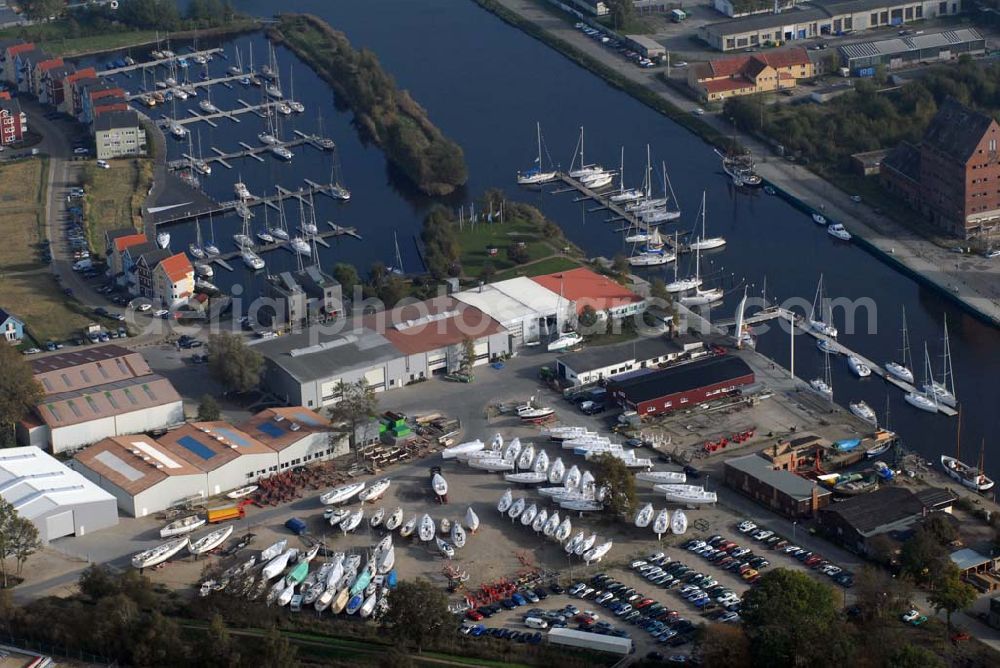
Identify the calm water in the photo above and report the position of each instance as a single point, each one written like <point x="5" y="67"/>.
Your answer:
<point x="485" y="84"/>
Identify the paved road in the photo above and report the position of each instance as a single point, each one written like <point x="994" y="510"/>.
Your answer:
<point x="973" y="280"/>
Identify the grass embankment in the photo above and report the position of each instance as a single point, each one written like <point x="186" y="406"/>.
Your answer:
<point x="114" y="197"/>
<point x="27" y="288"/>
<point x="392" y="118"/>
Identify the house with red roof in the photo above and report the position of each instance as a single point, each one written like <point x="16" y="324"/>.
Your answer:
<point x="10" y="59"/>
<point x="746" y="75"/>
<point x="584" y="288"/>
<point x="70" y="95"/>
<point x="115" y="244"/>
<point x="173" y="280"/>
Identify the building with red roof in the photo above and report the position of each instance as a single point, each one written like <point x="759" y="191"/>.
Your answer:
<point x="70" y="96"/>
<point x="745" y="75"/>
<point x="173" y="280"/>
<point x="115" y="244"/>
<point x="586" y="288"/>
<point x="10" y="59"/>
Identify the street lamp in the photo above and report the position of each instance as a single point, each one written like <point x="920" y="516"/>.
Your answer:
<point x="794" y="525"/>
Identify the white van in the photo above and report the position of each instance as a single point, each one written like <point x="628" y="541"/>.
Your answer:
<point x="535" y="623"/>
<point x="296" y="603"/>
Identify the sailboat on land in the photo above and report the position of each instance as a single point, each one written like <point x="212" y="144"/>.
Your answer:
<point x="535" y="175"/>
<point x="902" y="368"/>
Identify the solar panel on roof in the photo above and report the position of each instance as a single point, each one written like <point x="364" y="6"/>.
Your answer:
<point x="232" y="436"/>
<point x="195" y="446"/>
<point x="271" y="429"/>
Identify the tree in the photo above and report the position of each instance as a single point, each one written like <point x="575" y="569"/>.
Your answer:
<point x="357" y="405"/>
<point x="19" y="391"/>
<point x="658" y="291"/>
<point x="789" y="618"/>
<point x="24" y="541"/>
<point x="881" y="549"/>
<point x="517" y="252"/>
<point x="940" y="527"/>
<point x="347" y="276"/>
<point x="392" y="290"/>
<point x="233" y="363"/>
<point x="208" y="409"/>
<point x="468" y="353"/>
<point x="588" y="317"/>
<point x="915" y="656"/>
<point x="950" y="593"/>
<point x="922" y="556"/>
<point x="879" y="596"/>
<point x="96" y="582"/>
<point x="216" y="649"/>
<point x="621" y="12"/>
<point x="724" y="646"/>
<point x="40" y="10"/>
<point x="613" y="474"/>
<point x="619" y="264"/>
<point x="277" y="652"/>
<point x="418" y="613"/>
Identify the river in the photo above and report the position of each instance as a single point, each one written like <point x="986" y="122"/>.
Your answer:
<point x="485" y="84"/>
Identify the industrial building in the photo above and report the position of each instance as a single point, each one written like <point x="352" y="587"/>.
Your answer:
<point x="646" y="46"/>
<point x="586" y="288"/>
<point x="607" y="362"/>
<point x="861" y="58"/>
<point x="388" y="349"/>
<point x="776" y="488"/>
<point x="856" y="520"/>
<point x="821" y="18"/>
<point x="692" y="383"/>
<point x="203" y="459"/>
<point x="94" y="393"/>
<point x="56" y="499"/>
<point x="526" y="309"/>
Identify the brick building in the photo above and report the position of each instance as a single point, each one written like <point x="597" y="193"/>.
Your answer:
<point x="953" y="175"/>
<point x="13" y="122"/>
<point x="680" y="386"/>
<point x="745" y="75"/>
<point x="775" y="488"/>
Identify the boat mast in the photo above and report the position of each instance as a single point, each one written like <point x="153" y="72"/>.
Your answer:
<point x="818" y="299"/>
<point x="621" y="173"/>
<point x="958" y="437"/>
<point x="649" y="175"/>
<point x="538" y="135"/>
<point x="928" y="378"/>
<point x="906" y="343"/>
<point x="948" y="378"/>
<point x="826" y="373"/>
<point x="399" y="258"/>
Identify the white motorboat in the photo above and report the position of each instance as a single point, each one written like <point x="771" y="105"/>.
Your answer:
<point x="444" y="548"/>
<point x="439" y="484"/>
<point x="353" y="521"/>
<point x="516" y="509"/>
<point x="819" y="219"/>
<point x="426" y="529"/>
<point x="651" y="259"/>
<point x="541" y="463"/>
<point x="342" y="493"/>
<point x="407" y="529"/>
<point x="858" y="368"/>
<point x="703" y="297"/>
<point x="458" y="535"/>
<point x="337" y="515"/>
<point x="241" y="190"/>
<point x="528" y="516"/>
<point x="970" y="476"/>
<point x="557" y="472"/>
<point x="182" y="526"/>
<point x="159" y="554"/>
<point x="281" y="152"/>
<point x="178" y="130"/>
<point x="374" y="491"/>
<point x="572" y="479"/>
<point x="595" y="555"/>
<point x="551" y="524"/>
<point x="839" y="231"/>
<point x="527" y="478"/>
<point x="535" y="175"/>
<point x="394" y="520"/>
<point x="662" y="522"/>
<point x="210" y="541"/>
<point x="462" y="448"/>
<point x="273" y="91"/>
<point x="921" y="401"/>
<point x="863" y="411"/>
<point x="678" y="523"/>
<point x="662" y="477"/>
<point x="494" y="465"/>
<point x="242" y="491"/>
<point x="471" y="520"/>
<point x="644" y="516"/>
<point x="163" y="239"/>
<point x="278" y="233"/>
<point x="563" y="530"/>
<point x="265" y="237"/>
<point x="375" y="520"/>
<point x="686" y="493"/>
<point x="273" y="551"/>
<point x="540" y="519"/>
<point x="526" y="457"/>
<point x="564" y="341"/>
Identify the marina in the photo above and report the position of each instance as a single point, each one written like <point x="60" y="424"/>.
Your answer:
<point x="260" y="110"/>
<point x="166" y="61"/>
<point x="255" y="152"/>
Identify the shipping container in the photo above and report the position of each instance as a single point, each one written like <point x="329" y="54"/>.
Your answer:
<point x="225" y="514"/>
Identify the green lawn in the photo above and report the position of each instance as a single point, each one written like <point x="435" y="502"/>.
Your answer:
<point x="476" y="243"/>
<point x="547" y="266"/>
<point x="75" y="46"/>
<point x="114" y="197"/>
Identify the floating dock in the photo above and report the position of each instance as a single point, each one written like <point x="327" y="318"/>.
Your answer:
<point x="260" y="110"/>
<point x="320" y="238"/>
<point x="247" y="151"/>
<point x="222" y="208"/>
<point x="166" y="62"/>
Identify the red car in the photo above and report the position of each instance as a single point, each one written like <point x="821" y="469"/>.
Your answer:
<point x="474" y="615"/>
<point x="644" y="602"/>
<point x="813" y="560"/>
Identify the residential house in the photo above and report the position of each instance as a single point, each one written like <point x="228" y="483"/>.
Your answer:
<point x="69" y="93"/>
<point x="304" y="296"/>
<point x="38" y="73"/>
<point x="115" y="244"/>
<point x="745" y="75"/>
<point x="52" y="84"/>
<point x="98" y="94"/>
<point x="13" y="122"/>
<point x="145" y="264"/>
<point x="10" y="59"/>
<point x="953" y="176"/>
<point x="173" y="280"/>
<point x="11" y="327"/>
<point x="118" y="132"/>
<point x="130" y="259"/>
<point x="26" y="66"/>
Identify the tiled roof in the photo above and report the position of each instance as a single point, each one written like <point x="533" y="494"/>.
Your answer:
<point x="123" y="242"/>
<point x="905" y="159"/>
<point x="723" y="85"/>
<point x="431" y="324"/>
<point x="177" y="267"/>
<point x="588" y="288"/>
<point x="727" y="67"/>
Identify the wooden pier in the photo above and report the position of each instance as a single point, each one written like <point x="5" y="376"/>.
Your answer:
<point x="223" y="259"/>
<point x="156" y="63"/>
<point x="836" y="348"/>
<point x="259" y="110"/>
<point x="247" y="151"/>
<point x="222" y="208"/>
<point x="201" y="83"/>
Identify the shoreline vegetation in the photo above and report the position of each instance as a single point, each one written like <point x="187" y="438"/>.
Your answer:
<point x="388" y="115"/>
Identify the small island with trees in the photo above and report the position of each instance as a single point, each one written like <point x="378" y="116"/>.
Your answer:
<point x="390" y="116"/>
